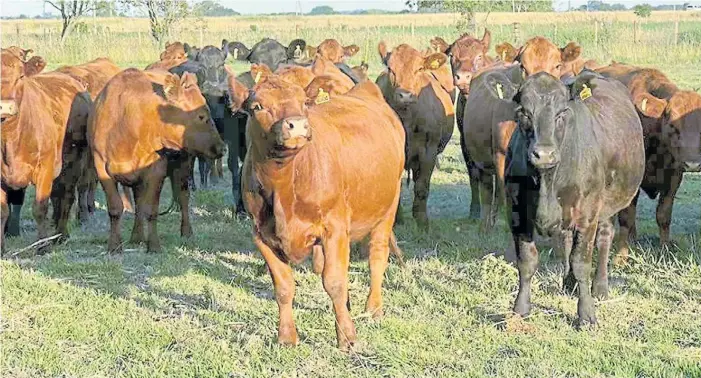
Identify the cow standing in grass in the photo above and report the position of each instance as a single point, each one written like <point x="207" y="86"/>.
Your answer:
<point x="671" y="120"/>
<point x="419" y="89"/>
<point x="576" y="159"/>
<point x="320" y="177"/>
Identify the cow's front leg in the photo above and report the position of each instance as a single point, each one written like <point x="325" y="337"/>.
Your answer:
<point x="284" y="285"/>
<point x="664" y="207"/>
<point x="335" y="278"/>
<point x="581" y="267"/>
<point x="527" y="255"/>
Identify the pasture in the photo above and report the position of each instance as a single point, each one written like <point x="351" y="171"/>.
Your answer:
<point x="205" y="307"/>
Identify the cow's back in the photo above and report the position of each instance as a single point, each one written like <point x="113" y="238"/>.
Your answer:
<point x="358" y="142"/>
<point x="94" y="74"/>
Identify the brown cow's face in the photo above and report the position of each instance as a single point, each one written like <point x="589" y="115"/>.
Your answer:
<point x="680" y="120"/>
<point x="332" y="50"/>
<point x="541" y="55"/>
<point x="15" y="68"/>
<point x="278" y="125"/>
<point x="199" y="135"/>
<point x="467" y="56"/>
<point x="404" y="68"/>
<point x="174" y="51"/>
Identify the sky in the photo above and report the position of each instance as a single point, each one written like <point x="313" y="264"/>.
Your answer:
<point x="36" y="7"/>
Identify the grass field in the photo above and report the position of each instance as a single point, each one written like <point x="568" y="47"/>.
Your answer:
<point x="205" y="307"/>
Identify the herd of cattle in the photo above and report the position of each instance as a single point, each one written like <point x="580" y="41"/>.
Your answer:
<point x="564" y="143"/>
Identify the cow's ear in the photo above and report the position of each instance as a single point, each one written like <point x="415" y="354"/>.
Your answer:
<point x="649" y="105"/>
<point x="439" y="44"/>
<point x="189" y="80"/>
<point x="239" y="51"/>
<point x="238" y="93"/>
<point x="186" y="47"/>
<point x="171" y="88"/>
<point x="570" y="52"/>
<point x="260" y="72"/>
<point x="364" y="67"/>
<point x="296" y="49"/>
<point x="435" y="61"/>
<point x="382" y="49"/>
<point x="486" y="39"/>
<point x="34" y="66"/>
<point x="224" y="44"/>
<point x="25" y="53"/>
<point x="350" y="50"/>
<point x="506" y="52"/>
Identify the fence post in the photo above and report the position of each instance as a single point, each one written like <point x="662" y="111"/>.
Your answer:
<point x="517" y="32"/>
<point x="676" y="31"/>
<point x="596" y="32"/>
<point x="635" y="32"/>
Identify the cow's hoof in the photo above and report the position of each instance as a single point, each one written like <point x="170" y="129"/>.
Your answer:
<point x="186" y="232"/>
<point x="347" y="339"/>
<point x="375" y="310"/>
<point x="287" y="336"/>
<point x="522" y="308"/>
<point x="600" y="289"/>
<point x="586" y="312"/>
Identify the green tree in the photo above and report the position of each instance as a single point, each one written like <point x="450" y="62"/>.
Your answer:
<point x="642" y="10"/>
<point x="162" y="14"/>
<point x="71" y="11"/>
<point x="209" y="8"/>
<point x="322" y="9"/>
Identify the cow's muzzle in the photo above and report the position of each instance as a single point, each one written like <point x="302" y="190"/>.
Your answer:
<point x="292" y="133"/>
<point x="544" y="157"/>
<point x="403" y="97"/>
<point x="692" y="166"/>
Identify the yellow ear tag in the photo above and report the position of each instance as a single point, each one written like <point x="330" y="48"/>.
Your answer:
<point x="503" y="56"/>
<point x="236" y="53"/>
<point x="435" y="64"/>
<point x="585" y="93"/>
<point x="322" y="97"/>
<point x="257" y="79"/>
<point x="523" y="73"/>
<point x="500" y="91"/>
<point x="643" y="104"/>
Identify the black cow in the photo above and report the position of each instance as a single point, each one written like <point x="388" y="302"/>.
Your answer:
<point x="208" y="65"/>
<point x="575" y="160"/>
<point x="268" y="51"/>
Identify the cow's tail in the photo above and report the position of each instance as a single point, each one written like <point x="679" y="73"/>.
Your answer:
<point x="396" y="251"/>
<point x="170" y="208"/>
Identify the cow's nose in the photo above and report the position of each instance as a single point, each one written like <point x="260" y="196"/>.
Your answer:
<point x="295" y="127"/>
<point x="692" y="166"/>
<point x="544" y="157"/>
<point x="462" y="78"/>
<point x="402" y="96"/>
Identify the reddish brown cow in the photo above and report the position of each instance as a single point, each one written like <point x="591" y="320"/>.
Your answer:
<point x="414" y="87"/>
<point x="361" y="71"/>
<point x="306" y="188"/>
<point x="173" y="56"/>
<point x="44" y="143"/>
<point x="140" y="119"/>
<point x="95" y="75"/>
<point x="541" y="55"/>
<point x="15" y="67"/>
<point x="671" y="121"/>
<point x="332" y="50"/>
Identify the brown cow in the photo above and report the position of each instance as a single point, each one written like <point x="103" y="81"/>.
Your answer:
<point x="140" y="119"/>
<point x="44" y="144"/>
<point x="174" y="55"/>
<point x="541" y="55"/>
<point x="332" y="50"/>
<point x="306" y="188"/>
<point x="413" y="87"/>
<point x="361" y="71"/>
<point x="671" y="121"/>
<point x="95" y="75"/>
<point x="15" y="66"/>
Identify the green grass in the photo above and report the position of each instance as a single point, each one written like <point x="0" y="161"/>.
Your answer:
<point x="204" y="307"/>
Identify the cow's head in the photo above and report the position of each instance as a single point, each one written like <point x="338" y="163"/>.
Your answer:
<point x="332" y="50"/>
<point x="361" y="71"/>
<point x="213" y="80"/>
<point x="174" y="51"/>
<point x="278" y="124"/>
<point x="467" y="56"/>
<point x="541" y="55"/>
<point x="188" y="114"/>
<point x="15" y="66"/>
<point x="324" y="67"/>
<point x="543" y="114"/>
<point x="236" y="50"/>
<point x="679" y="122"/>
<point x="295" y="50"/>
<point x="405" y="66"/>
<point x="191" y="51"/>
<point x="294" y="74"/>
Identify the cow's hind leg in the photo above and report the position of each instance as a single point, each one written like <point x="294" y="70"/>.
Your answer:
<point x="565" y="242"/>
<point x="115" y="208"/>
<point x="604" y="239"/>
<point x="486" y="192"/>
<point x="422" y="187"/>
<point x="137" y="232"/>
<point x="626" y="231"/>
<point x="64" y="198"/>
<point x="15" y="199"/>
<point x="581" y="267"/>
<point x="378" y="261"/>
<point x="41" y="205"/>
<point x="179" y="177"/>
<point x="664" y="208"/>
<point x="335" y="279"/>
<point x="284" y="285"/>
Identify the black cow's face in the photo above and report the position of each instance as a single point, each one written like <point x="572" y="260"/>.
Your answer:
<point x="212" y="78"/>
<point x="543" y="115"/>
